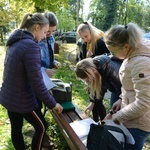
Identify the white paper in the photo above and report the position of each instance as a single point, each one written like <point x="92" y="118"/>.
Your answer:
<point x="82" y="127"/>
<point x="48" y="83"/>
<point x="119" y="136"/>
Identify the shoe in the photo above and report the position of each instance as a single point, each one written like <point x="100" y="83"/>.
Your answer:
<point x="47" y="143"/>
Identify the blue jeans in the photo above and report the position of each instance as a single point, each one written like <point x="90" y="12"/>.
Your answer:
<point x="139" y="136"/>
<point x="114" y="97"/>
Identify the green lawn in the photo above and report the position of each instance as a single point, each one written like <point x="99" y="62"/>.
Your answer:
<point x="66" y="74"/>
<point x="79" y="97"/>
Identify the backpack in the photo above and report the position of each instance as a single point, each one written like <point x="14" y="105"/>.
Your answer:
<point x="100" y="138"/>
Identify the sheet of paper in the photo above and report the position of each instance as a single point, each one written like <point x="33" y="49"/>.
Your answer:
<point x="82" y="127"/>
<point x="48" y="83"/>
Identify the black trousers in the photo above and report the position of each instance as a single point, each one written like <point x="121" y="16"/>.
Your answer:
<point x="99" y="111"/>
<point x="36" y="119"/>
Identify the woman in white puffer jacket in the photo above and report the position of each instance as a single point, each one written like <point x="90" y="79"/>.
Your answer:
<point x="133" y="110"/>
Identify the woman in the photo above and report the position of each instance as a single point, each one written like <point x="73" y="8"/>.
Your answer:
<point x="100" y="74"/>
<point x="23" y="82"/>
<point x="126" y="42"/>
<point x="93" y="44"/>
<point x="47" y="46"/>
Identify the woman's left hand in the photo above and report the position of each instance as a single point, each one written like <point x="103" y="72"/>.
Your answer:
<point x="108" y="117"/>
<point x="89" y="53"/>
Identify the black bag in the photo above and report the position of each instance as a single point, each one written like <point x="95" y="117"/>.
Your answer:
<point x="99" y="138"/>
<point x="62" y="92"/>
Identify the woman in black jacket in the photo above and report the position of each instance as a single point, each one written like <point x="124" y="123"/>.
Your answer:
<point x="93" y="44"/>
<point x="100" y="74"/>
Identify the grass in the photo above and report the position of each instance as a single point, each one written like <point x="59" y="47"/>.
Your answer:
<point x="79" y="97"/>
<point x="66" y="74"/>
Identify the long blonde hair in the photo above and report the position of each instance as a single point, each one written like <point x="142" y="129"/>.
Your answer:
<point x="95" y="34"/>
<point x="86" y="68"/>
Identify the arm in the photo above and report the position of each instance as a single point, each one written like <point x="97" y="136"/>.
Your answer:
<point x="139" y="103"/>
<point x="32" y="62"/>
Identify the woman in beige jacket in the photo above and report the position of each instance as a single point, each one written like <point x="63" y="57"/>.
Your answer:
<point x="133" y="109"/>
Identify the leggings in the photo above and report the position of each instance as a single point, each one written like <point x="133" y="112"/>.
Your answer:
<point x="36" y="119"/>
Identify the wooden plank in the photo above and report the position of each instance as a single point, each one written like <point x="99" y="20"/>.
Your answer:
<point x="73" y="116"/>
<point x="72" y="139"/>
<point x="67" y="117"/>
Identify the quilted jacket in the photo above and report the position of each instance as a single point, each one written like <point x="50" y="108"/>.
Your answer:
<point x="22" y="78"/>
<point x="108" y="67"/>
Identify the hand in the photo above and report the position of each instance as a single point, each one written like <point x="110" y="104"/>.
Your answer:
<point x="116" y="106"/>
<point x="89" y="109"/>
<point x="89" y="53"/>
<point x="50" y="72"/>
<point x="108" y="117"/>
<point x="58" y="108"/>
<point x="116" y="121"/>
<point x="57" y="65"/>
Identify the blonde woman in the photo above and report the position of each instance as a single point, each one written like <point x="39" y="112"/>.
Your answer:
<point x="93" y="44"/>
<point x="99" y="74"/>
<point x="126" y="43"/>
<point x="23" y="82"/>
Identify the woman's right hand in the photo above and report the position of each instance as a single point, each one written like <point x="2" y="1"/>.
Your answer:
<point x="50" y="72"/>
<point x="58" y="108"/>
<point x="116" y="106"/>
<point x="89" y="108"/>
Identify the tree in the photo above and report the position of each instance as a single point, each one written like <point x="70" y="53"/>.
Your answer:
<point x="4" y="19"/>
<point x="105" y="13"/>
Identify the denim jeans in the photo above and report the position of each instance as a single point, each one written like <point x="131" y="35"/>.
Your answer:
<point x="114" y="97"/>
<point x="139" y="136"/>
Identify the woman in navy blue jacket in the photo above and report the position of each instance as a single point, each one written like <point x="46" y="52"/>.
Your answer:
<point x="100" y="74"/>
<point x="23" y="81"/>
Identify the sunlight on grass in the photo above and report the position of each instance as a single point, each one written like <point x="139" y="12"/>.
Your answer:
<point x="79" y="98"/>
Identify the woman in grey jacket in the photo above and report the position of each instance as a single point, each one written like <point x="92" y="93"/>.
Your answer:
<point x="23" y="82"/>
<point x="126" y="43"/>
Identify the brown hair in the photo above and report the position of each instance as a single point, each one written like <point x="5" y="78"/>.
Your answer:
<point x="30" y="20"/>
<point x="51" y="18"/>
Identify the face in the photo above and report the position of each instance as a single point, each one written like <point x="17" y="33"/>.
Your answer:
<point x="118" y="51"/>
<point x="86" y="36"/>
<point x="86" y="80"/>
<point x="51" y="31"/>
<point x="40" y="32"/>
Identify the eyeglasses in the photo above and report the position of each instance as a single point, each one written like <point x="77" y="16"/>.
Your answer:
<point x="116" y="51"/>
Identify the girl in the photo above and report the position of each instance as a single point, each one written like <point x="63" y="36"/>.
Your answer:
<point x="126" y="42"/>
<point x="23" y="82"/>
<point x="100" y="74"/>
<point x="93" y="44"/>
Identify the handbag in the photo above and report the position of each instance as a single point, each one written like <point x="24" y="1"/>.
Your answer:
<point x="62" y="92"/>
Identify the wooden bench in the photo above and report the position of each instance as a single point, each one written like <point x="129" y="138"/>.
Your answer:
<point x="70" y="136"/>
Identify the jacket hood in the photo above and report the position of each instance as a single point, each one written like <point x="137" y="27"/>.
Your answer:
<point x="143" y="49"/>
<point x="17" y="35"/>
